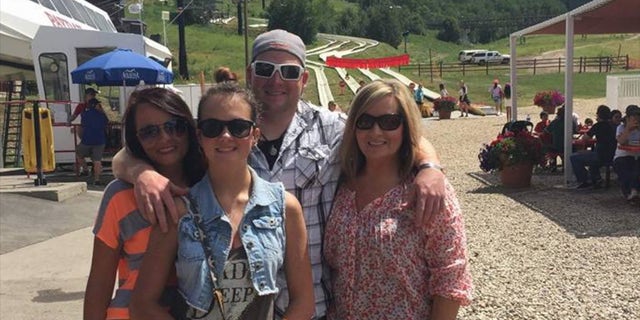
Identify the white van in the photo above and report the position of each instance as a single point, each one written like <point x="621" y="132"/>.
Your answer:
<point x="465" y="56"/>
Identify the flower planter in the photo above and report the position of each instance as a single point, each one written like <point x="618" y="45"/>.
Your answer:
<point x="517" y="175"/>
<point x="548" y="100"/>
<point x="444" y="114"/>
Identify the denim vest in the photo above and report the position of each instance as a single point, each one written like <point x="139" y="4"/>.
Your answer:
<point x="261" y="231"/>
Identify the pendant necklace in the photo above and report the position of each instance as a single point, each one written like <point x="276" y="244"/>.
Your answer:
<point x="273" y="151"/>
<point x="271" y="147"/>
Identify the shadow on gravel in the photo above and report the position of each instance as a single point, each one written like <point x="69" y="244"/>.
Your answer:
<point x="583" y="213"/>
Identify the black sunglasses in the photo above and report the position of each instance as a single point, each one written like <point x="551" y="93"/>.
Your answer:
<point x="288" y="71"/>
<point x="238" y="128"/>
<point x="173" y="127"/>
<point x="387" y="122"/>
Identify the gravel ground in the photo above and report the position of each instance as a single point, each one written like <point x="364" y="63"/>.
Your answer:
<point x="546" y="252"/>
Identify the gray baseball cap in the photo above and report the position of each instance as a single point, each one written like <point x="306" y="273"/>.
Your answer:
<point x="280" y="40"/>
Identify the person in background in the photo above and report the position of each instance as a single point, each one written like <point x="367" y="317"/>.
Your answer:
<point x="93" y="139"/>
<point x="605" y="148"/>
<point x="542" y="124"/>
<point x="616" y="118"/>
<point x="334" y="107"/>
<point x="89" y="94"/>
<point x="298" y="146"/>
<point x="361" y="83"/>
<point x="588" y="123"/>
<point x="539" y="129"/>
<point x="419" y="96"/>
<point x="371" y="243"/>
<point x="507" y="100"/>
<point x="225" y="74"/>
<point x="250" y="229"/>
<point x="159" y="128"/>
<point x="556" y="131"/>
<point x="575" y="119"/>
<point x="463" y="99"/>
<point x="497" y="94"/>
<point x="627" y="163"/>
<point x="443" y="90"/>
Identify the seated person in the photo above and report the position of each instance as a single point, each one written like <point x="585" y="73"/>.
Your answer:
<point x="539" y="132"/>
<point x="540" y="126"/>
<point x="588" y="123"/>
<point x="616" y="118"/>
<point x="605" y="147"/>
<point x="626" y="163"/>
<point x="556" y="130"/>
<point x="576" y="121"/>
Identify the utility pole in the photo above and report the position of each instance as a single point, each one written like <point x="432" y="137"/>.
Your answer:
<point x="182" y="49"/>
<point x="405" y="35"/>
<point x="240" y="17"/>
<point x="165" y="18"/>
<point x="246" y="36"/>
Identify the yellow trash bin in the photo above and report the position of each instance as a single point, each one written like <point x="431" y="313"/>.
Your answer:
<point x="29" y="141"/>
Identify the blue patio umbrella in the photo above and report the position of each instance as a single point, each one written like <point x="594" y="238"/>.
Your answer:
<point x="121" y="67"/>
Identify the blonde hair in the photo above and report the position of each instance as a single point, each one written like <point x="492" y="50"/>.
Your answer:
<point x="352" y="160"/>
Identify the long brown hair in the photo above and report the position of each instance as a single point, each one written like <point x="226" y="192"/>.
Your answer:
<point x="194" y="164"/>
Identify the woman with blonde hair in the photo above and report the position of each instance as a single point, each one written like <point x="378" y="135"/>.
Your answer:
<point x="372" y="245"/>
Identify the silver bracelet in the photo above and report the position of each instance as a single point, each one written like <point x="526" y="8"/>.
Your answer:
<point x="429" y="165"/>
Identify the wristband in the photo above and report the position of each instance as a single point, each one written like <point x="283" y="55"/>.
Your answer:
<point x="429" y="165"/>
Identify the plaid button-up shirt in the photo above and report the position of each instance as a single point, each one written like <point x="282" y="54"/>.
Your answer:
<point x="307" y="165"/>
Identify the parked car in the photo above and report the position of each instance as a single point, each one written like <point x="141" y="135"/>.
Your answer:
<point x="465" y="56"/>
<point x="490" y="57"/>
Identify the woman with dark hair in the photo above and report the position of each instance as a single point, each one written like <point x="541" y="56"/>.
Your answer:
<point x="238" y="233"/>
<point x="160" y="129"/>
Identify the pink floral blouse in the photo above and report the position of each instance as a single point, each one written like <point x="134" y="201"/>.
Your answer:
<point x="384" y="266"/>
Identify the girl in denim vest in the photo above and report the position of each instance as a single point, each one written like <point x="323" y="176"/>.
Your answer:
<point x="240" y="230"/>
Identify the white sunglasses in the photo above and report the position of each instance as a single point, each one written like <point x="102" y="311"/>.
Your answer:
<point x="266" y="69"/>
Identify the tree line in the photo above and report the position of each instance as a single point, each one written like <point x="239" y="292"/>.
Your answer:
<point x="458" y="21"/>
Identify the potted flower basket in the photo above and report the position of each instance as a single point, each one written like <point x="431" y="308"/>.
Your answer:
<point x="444" y="106"/>
<point x="513" y="155"/>
<point x="548" y="100"/>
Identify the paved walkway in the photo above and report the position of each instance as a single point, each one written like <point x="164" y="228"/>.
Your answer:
<point x="45" y="246"/>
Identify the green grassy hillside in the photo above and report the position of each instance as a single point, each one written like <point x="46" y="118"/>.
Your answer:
<point x="216" y="45"/>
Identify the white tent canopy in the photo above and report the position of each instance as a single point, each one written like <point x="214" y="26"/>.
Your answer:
<point x="595" y="17"/>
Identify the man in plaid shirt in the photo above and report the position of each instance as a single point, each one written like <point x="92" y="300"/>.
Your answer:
<point x="299" y="147"/>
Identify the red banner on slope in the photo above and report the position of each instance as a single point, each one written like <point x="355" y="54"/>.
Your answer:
<point x="384" y="62"/>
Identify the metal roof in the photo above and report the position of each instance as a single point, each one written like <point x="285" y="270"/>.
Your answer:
<point x="595" y="17"/>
